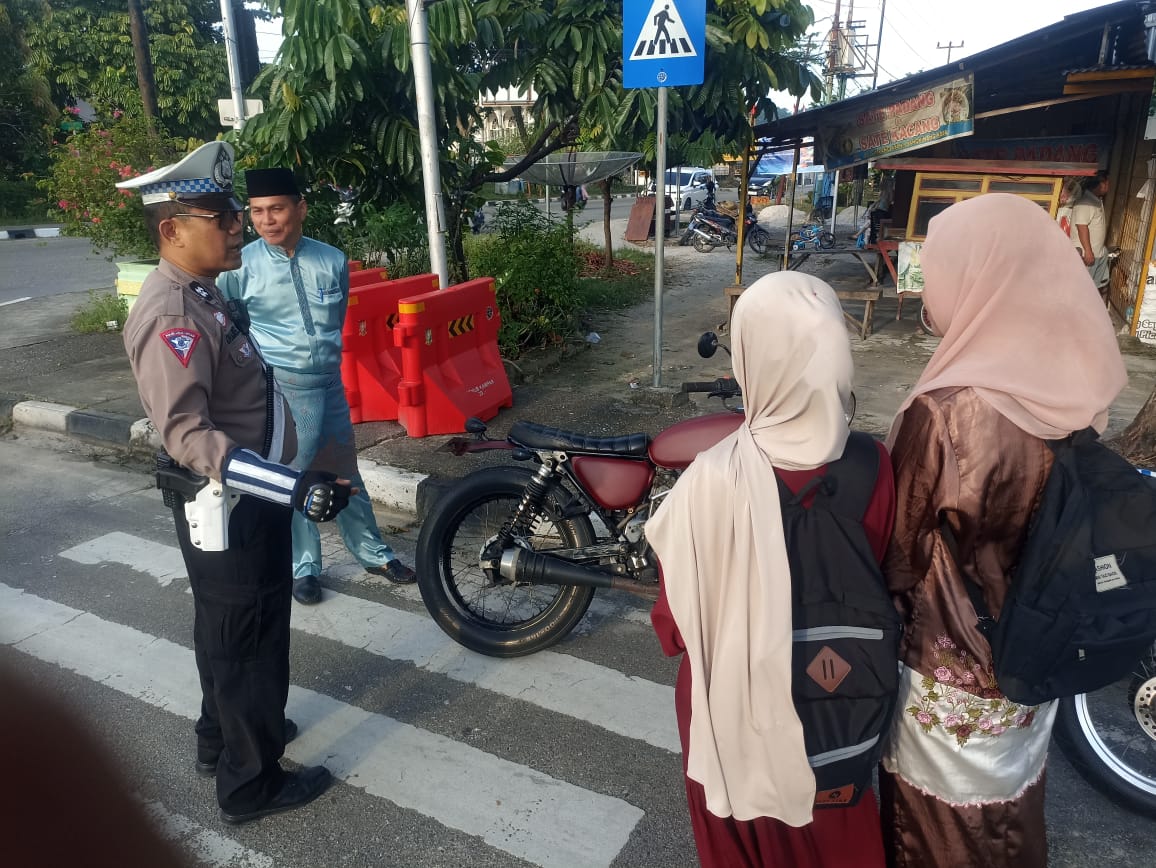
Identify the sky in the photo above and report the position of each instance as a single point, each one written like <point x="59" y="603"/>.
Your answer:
<point x="911" y="28"/>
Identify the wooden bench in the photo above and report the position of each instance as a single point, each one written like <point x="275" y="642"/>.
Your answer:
<point x="862" y="327"/>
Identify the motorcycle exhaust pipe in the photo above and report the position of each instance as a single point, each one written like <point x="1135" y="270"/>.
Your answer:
<point x="523" y="565"/>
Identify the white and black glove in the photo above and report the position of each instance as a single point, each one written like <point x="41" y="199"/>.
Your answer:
<point x="317" y="494"/>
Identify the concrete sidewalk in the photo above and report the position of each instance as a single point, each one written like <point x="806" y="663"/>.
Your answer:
<point x="80" y="386"/>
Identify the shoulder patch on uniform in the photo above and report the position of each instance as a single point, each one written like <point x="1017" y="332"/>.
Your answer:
<point x="246" y="350"/>
<point x="181" y="342"/>
<point x="220" y="318"/>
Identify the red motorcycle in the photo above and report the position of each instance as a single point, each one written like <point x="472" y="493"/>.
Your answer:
<point x="508" y="561"/>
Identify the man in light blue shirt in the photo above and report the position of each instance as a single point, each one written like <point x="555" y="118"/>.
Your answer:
<point x="293" y="292"/>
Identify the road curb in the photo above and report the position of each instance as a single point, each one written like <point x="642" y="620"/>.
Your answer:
<point x="392" y="487"/>
<point x="14" y="233"/>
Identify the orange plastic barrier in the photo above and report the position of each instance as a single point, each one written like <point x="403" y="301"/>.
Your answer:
<point x="450" y="365"/>
<point x="370" y="358"/>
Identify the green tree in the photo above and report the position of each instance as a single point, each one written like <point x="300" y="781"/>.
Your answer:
<point x="84" y="48"/>
<point x="26" y="107"/>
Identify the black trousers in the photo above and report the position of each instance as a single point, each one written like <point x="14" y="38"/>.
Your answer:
<point x="242" y="600"/>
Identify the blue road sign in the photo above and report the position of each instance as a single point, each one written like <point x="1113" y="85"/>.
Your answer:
<point x="663" y="42"/>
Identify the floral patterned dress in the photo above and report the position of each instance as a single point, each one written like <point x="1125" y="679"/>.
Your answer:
<point x="963" y="778"/>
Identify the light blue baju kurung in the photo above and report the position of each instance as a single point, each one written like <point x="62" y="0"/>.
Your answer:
<point x="296" y="307"/>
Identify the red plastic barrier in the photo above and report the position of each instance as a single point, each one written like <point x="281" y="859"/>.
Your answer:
<point x="366" y="276"/>
<point x="370" y="358"/>
<point x="451" y="368"/>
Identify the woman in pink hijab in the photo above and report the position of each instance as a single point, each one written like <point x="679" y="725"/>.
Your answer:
<point x="1027" y="355"/>
<point x="726" y="599"/>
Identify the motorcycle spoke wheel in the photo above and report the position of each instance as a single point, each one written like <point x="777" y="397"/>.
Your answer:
<point x="1110" y="737"/>
<point x="702" y="245"/>
<point x="826" y="240"/>
<point x="759" y="239"/>
<point x="474" y="605"/>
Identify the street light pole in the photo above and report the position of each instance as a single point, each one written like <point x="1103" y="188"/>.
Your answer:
<point x="435" y="211"/>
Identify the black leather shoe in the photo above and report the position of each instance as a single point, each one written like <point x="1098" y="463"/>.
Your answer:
<point x="307" y="590"/>
<point x="300" y="788"/>
<point x="208" y="769"/>
<point x="396" y="572"/>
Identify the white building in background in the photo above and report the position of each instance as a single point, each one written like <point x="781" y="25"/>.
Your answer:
<point x="497" y="109"/>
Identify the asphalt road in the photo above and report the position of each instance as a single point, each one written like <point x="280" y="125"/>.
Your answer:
<point x="444" y="758"/>
<point x="35" y="267"/>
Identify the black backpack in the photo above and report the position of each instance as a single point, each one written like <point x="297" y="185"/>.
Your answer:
<point x="1081" y="609"/>
<point x="845" y="669"/>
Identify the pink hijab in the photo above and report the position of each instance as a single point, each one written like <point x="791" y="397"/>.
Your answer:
<point x="1021" y="320"/>
<point x="719" y="537"/>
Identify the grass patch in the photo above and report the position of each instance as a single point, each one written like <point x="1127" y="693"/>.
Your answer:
<point x="101" y="309"/>
<point x="628" y="281"/>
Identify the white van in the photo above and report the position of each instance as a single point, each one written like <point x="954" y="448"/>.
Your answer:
<point x="681" y="181"/>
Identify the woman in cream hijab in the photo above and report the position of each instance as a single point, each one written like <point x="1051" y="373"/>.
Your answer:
<point x="1027" y="355"/>
<point x="726" y="602"/>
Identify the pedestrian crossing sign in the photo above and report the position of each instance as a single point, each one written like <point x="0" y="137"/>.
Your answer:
<point x="663" y="42"/>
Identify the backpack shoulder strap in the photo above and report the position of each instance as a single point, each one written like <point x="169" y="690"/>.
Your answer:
<point x="854" y="476"/>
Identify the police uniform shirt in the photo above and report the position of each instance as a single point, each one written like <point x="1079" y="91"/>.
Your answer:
<point x="305" y="337"/>
<point x="201" y="379"/>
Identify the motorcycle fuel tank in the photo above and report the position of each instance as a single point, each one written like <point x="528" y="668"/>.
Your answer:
<point x="616" y="483"/>
<point x="677" y="446"/>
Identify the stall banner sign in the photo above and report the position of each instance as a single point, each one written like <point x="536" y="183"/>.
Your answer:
<point x="909" y="268"/>
<point x="937" y="113"/>
<point x="1045" y="149"/>
<point x="663" y="42"/>
<point x="1146" y="321"/>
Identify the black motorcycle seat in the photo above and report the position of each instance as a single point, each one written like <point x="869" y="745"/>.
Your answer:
<point x="535" y="436"/>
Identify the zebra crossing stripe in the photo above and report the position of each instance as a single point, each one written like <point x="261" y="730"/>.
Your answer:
<point x="511" y="807"/>
<point x="633" y="707"/>
<point x="206" y="846"/>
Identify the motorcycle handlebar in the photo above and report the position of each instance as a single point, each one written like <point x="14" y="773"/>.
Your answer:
<point x="725" y="387"/>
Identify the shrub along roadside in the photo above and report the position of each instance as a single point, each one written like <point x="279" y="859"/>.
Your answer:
<point x="101" y="309"/>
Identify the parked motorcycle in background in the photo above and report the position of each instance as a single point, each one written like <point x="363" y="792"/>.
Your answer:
<point x="710" y="228"/>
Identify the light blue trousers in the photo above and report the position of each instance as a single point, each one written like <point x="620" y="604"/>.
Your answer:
<point x="325" y="442"/>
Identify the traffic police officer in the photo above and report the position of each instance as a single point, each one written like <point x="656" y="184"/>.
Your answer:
<point x="222" y="420"/>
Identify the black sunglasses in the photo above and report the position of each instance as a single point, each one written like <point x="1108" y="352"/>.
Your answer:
<point x="226" y="220"/>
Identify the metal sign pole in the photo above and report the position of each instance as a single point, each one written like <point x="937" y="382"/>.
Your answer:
<point x="659" y="232"/>
<point x="435" y="210"/>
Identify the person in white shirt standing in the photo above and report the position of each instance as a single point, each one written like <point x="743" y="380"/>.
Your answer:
<point x="1090" y="229"/>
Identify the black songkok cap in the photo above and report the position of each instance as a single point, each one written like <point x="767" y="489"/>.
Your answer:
<point x="270" y="182"/>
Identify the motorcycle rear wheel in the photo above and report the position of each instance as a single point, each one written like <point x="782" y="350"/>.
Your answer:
<point x="758" y="238"/>
<point x="826" y="240"/>
<point x="701" y="244"/>
<point x="1109" y="736"/>
<point x="496" y="617"/>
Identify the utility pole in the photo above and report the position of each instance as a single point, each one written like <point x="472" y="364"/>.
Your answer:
<point x="948" y="47"/>
<point x="234" y="58"/>
<point x="833" y="54"/>
<point x="878" y="44"/>
<point x="435" y="209"/>
<point x="145" y="79"/>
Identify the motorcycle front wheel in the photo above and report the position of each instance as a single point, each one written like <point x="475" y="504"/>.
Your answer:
<point x="1109" y="736"/>
<point x="702" y="244"/>
<point x="476" y="607"/>
<point x="758" y="238"/>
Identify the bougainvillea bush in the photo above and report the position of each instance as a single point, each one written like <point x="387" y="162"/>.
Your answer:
<point x="85" y="170"/>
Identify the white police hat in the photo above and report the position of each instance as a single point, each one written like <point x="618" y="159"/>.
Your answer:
<point x="203" y="179"/>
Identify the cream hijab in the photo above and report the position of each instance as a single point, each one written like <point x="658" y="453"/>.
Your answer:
<point x="1021" y="320"/>
<point x="719" y="537"/>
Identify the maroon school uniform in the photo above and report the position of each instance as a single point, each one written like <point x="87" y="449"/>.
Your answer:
<point x="836" y="837"/>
